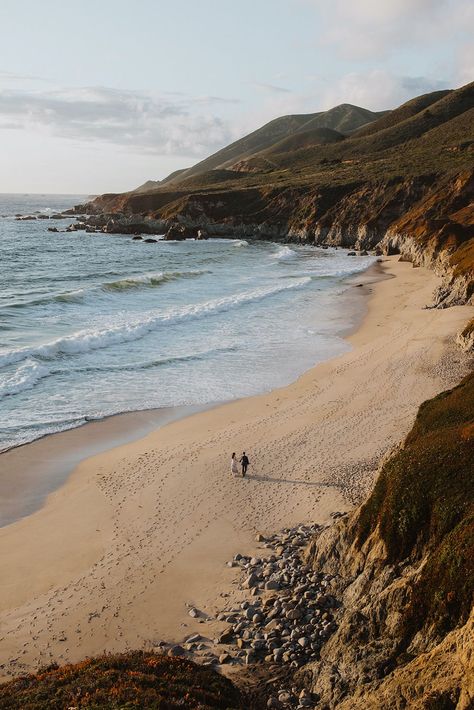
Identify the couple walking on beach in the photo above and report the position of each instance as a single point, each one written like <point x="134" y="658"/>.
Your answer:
<point x="234" y="465"/>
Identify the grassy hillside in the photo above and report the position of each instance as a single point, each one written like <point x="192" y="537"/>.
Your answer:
<point x="115" y="682"/>
<point x="344" y="118"/>
<point x="406" y="110"/>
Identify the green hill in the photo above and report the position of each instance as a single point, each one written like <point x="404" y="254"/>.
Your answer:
<point x="344" y="118"/>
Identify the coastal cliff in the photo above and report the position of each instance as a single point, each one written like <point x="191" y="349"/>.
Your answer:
<point x="402" y="183"/>
<point x="405" y="569"/>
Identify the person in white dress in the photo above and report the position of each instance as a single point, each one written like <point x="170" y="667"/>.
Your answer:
<point x="234" y="466"/>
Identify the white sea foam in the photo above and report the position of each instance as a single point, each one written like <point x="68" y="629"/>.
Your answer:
<point x="139" y="326"/>
<point x="284" y="253"/>
<point x="24" y="378"/>
<point x="338" y="267"/>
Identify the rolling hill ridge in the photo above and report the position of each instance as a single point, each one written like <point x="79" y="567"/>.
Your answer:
<point x="396" y="181"/>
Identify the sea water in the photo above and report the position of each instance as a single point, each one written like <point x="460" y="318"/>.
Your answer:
<point x="96" y="324"/>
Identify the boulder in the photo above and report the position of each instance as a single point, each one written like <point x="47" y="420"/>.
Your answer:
<point x="251" y="581"/>
<point x="176" y="651"/>
<point x="272" y="584"/>
<point x="176" y="232"/>
<point x="226" y="636"/>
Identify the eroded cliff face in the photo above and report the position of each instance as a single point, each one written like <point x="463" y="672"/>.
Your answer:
<point x="428" y="219"/>
<point x="405" y="569"/>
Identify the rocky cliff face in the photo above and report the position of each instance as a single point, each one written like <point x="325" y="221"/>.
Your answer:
<point x="428" y="219"/>
<point x="405" y="568"/>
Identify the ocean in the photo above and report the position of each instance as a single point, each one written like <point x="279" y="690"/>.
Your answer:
<point x="92" y="325"/>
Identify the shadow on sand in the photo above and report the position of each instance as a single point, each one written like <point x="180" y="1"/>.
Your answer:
<point x="269" y="479"/>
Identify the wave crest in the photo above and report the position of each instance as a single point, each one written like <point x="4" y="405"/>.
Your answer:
<point x="149" y="280"/>
<point x="24" y="378"/>
<point x="138" y="327"/>
<point x="284" y="253"/>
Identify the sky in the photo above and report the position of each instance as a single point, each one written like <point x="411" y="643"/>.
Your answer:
<point x="102" y="95"/>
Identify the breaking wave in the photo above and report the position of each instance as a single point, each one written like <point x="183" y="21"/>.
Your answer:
<point x="284" y="253"/>
<point x="149" y="280"/>
<point x="138" y="327"/>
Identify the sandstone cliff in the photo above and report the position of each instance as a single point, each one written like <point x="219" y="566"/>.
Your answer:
<point x="405" y="566"/>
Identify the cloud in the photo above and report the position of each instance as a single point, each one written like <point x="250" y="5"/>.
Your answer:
<point x="146" y="122"/>
<point x="375" y="30"/>
<point x="271" y="88"/>
<point x="377" y="89"/>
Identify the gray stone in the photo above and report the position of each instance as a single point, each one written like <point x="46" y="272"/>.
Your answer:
<point x="272" y="584"/>
<point x="251" y="581"/>
<point x="226" y="636"/>
<point x="176" y="651"/>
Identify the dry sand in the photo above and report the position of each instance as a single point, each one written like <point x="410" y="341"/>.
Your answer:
<point x="138" y="532"/>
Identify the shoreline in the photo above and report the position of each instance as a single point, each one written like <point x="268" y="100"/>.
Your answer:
<point x="31" y="471"/>
<point x="138" y="532"/>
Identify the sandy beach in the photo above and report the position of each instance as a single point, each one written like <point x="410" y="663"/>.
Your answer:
<point x="138" y="532"/>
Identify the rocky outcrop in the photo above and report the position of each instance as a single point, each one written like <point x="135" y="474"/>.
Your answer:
<point x="405" y="572"/>
<point x="427" y="219"/>
<point x="465" y="338"/>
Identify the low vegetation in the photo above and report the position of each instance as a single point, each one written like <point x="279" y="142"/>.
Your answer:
<point x="118" y="682"/>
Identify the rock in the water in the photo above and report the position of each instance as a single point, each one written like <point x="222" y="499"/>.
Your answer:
<point x="176" y="232"/>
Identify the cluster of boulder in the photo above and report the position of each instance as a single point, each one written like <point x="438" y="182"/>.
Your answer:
<point x="179" y="232"/>
<point x="291" y="610"/>
<point x="29" y="217"/>
<point x="287" y="614"/>
<point x="121" y="224"/>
